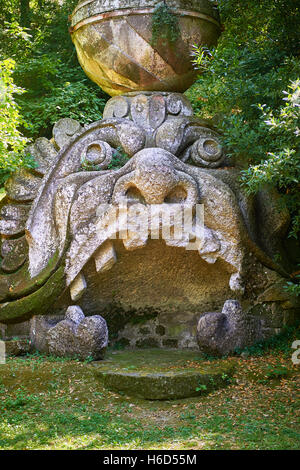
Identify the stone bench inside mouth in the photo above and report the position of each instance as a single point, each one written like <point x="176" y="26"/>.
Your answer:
<point x="176" y="375"/>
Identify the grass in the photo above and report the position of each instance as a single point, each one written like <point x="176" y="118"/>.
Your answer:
<point x="48" y="403"/>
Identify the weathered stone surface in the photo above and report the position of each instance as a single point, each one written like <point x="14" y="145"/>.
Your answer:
<point x="105" y="257"/>
<point x="161" y="375"/>
<point x="276" y="292"/>
<point x="149" y="284"/>
<point x="119" y="55"/>
<point x="20" y="330"/>
<point x="75" y="314"/>
<point x="2" y="331"/>
<point x="14" y="253"/>
<point x="38" y="302"/>
<point x="17" y="347"/>
<point x="273" y="220"/>
<point x="64" y="130"/>
<point x="190" y="138"/>
<point x="44" y="154"/>
<point x="270" y="315"/>
<point x="13" y="219"/>
<point x="150" y="111"/>
<point x="146" y="282"/>
<point x="22" y="185"/>
<point x="221" y="333"/>
<point x="164" y="386"/>
<point x="98" y="154"/>
<point x="19" y="284"/>
<point x="207" y="152"/>
<point x="78" y="336"/>
<point x="44" y="243"/>
<point x="78" y="287"/>
<point x="39" y="327"/>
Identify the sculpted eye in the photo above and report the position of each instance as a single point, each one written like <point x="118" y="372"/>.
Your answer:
<point x="98" y="155"/>
<point x="207" y="152"/>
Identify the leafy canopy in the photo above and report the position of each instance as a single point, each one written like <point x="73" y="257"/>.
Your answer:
<point x="244" y="81"/>
<point x="12" y="142"/>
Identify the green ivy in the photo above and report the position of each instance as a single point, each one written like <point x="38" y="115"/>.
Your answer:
<point x="119" y="159"/>
<point x="165" y="25"/>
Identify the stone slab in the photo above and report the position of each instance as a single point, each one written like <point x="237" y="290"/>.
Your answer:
<point x="174" y="378"/>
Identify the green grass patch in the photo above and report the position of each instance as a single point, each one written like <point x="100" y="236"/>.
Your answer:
<point x="49" y="403"/>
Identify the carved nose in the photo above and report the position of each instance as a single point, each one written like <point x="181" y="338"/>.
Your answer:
<point x="155" y="181"/>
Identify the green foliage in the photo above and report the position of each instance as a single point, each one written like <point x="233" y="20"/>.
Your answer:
<point x="294" y="287"/>
<point x="15" y="41"/>
<point x="65" y="99"/>
<point x="12" y="142"/>
<point x="21" y="400"/>
<point x="47" y="67"/>
<point x="279" y="343"/>
<point x="119" y="159"/>
<point x="226" y="378"/>
<point x="275" y="372"/>
<point x="282" y="166"/>
<point x="165" y="25"/>
<point x="241" y="89"/>
<point x="69" y="414"/>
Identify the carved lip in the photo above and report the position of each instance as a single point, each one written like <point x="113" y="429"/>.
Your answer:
<point x="135" y="11"/>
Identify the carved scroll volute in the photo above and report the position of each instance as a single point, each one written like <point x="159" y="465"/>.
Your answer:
<point x="98" y="154"/>
<point x="207" y="152"/>
<point x="117" y="107"/>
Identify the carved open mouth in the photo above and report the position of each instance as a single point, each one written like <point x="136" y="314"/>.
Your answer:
<point x="154" y="201"/>
<point x="66" y="228"/>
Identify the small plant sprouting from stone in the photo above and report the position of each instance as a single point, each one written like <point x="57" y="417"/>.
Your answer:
<point x="119" y="159"/>
<point x="88" y="166"/>
<point x="201" y="388"/>
<point x="226" y="378"/>
<point x="89" y="359"/>
<point x="165" y="25"/>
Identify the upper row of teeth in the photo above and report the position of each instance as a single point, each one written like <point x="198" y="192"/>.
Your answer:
<point x="106" y="257"/>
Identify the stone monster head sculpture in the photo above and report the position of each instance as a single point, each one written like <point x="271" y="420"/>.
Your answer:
<point x="62" y="242"/>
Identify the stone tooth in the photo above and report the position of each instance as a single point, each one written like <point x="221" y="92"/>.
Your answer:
<point x="236" y="284"/>
<point x="105" y="257"/>
<point x="78" y="287"/>
<point x="209" y="258"/>
<point x="131" y="244"/>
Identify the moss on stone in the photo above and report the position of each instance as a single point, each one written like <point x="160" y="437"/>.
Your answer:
<point x="162" y="375"/>
<point x="37" y="303"/>
<point x="20" y="283"/>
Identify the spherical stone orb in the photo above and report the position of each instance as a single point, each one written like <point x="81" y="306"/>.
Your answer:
<point x="120" y="46"/>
